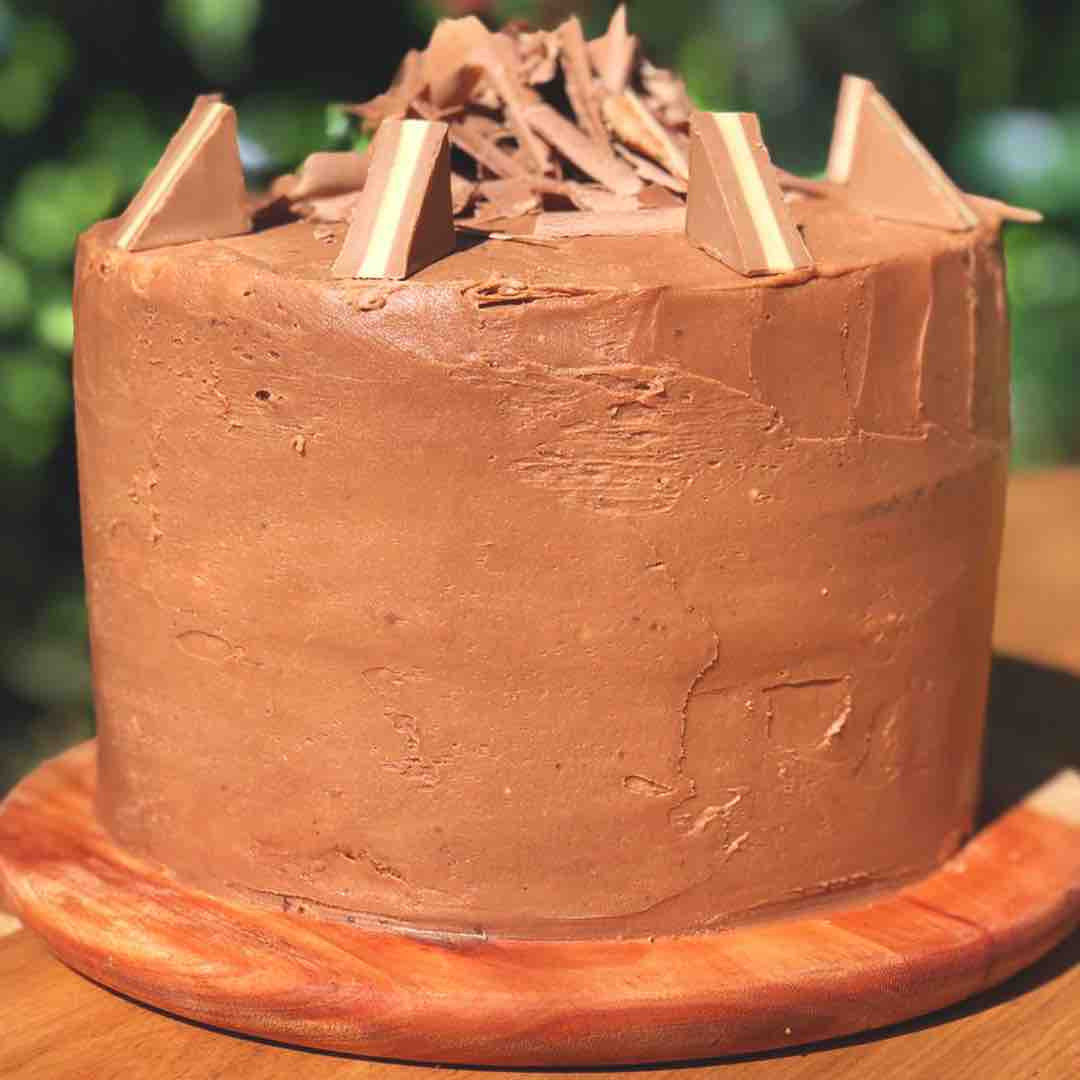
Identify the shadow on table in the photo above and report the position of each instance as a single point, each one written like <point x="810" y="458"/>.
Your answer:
<point x="1032" y="731"/>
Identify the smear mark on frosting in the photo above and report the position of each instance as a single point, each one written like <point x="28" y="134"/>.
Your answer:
<point x="800" y="707"/>
<point x="642" y="785"/>
<point x="695" y="824"/>
<point x="505" y="290"/>
<point x="205" y="646"/>
<point x="888" y="402"/>
<point x="639" y="455"/>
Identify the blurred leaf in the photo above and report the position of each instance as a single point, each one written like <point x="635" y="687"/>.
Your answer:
<point x="255" y="160"/>
<point x="40" y="59"/>
<point x="709" y="73"/>
<point x="927" y="27"/>
<point x="338" y="122"/>
<point x="1044" y="268"/>
<point x="51" y="668"/>
<point x="25" y="96"/>
<point x="64" y="613"/>
<point x="7" y="29"/>
<point x="505" y="10"/>
<point x="14" y="293"/>
<point x="48" y="670"/>
<point x="35" y="399"/>
<point x="32" y="388"/>
<point x="54" y="326"/>
<point x="284" y="127"/>
<point x="53" y="203"/>
<point x="217" y="34"/>
<point x="120" y="132"/>
<point x="991" y="33"/>
<point x="47" y="45"/>
<point x="1045" y="392"/>
<point x="1026" y="156"/>
<point x="424" y="14"/>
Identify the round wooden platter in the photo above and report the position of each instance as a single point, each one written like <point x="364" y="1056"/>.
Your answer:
<point x="1008" y="897"/>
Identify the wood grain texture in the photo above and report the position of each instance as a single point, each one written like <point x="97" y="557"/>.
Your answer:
<point x="1009" y="896"/>
<point x="60" y="1026"/>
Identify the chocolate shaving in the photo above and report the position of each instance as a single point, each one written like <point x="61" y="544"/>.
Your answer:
<point x="408" y="83"/>
<point x="269" y="209"/>
<point x="607" y="135"/>
<point x="538" y="57"/>
<point x="667" y="95"/>
<point x="330" y="173"/>
<point x="462" y="192"/>
<point x="497" y="56"/>
<point x="489" y="129"/>
<point x="504" y="199"/>
<point x="635" y="125"/>
<point x="577" y="71"/>
<point x="613" y="54"/>
<point x="464" y="133"/>
<point x="327" y="209"/>
<point x="324" y="189"/>
<point x="280" y="191"/>
<point x="804" y="185"/>
<point x="520" y="238"/>
<point x="451" y="63"/>
<point x="651" y="172"/>
<point x="616" y="223"/>
<point x="592" y="158"/>
<point x="555" y="166"/>
<point x="595" y="197"/>
<point x="656" y="196"/>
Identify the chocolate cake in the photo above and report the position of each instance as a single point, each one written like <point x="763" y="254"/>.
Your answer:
<point x="593" y="574"/>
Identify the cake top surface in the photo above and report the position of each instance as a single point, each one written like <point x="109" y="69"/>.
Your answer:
<point x="527" y="160"/>
<point x="843" y="241"/>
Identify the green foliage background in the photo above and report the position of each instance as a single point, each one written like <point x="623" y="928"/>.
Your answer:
<point x="89" y="94"/>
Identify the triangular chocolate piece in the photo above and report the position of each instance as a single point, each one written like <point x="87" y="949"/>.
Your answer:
<point x="196" y="191"/>
<point x="995" y="208"/>
<point x="735" y="210"/>
<point x="887" y="172"/>
<point x="404" y="219"/>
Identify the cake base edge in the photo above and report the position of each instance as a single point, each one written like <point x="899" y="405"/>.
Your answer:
<point x="1004" y="900"/>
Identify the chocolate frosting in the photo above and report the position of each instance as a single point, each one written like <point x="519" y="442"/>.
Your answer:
<point x="563" y="590"/>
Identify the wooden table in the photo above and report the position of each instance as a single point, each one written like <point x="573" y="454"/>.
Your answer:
<point x="55" y="1024"/>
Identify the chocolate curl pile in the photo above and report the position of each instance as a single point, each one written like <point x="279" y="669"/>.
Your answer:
<point x="539" y="120"/>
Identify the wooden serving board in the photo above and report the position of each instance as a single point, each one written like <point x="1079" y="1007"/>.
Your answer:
<point x="1010" y="895"/>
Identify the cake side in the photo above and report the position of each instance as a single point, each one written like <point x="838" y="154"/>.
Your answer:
<point x="640" y="598"/>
